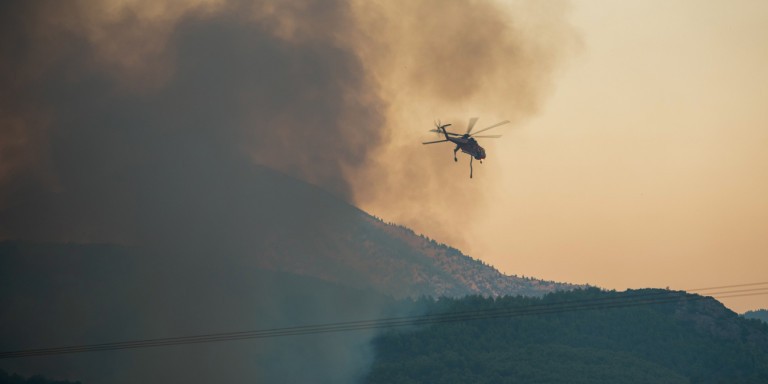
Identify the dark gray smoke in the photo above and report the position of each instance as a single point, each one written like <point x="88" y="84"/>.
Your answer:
<point x="89" y="158"/>
<point x="106" y="140"/>
<point x="148" y="124"/>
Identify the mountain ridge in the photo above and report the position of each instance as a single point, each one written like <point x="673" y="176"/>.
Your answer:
<point x="220" y="254"/>
<point x="312" y="232"/>
<point x="758" y="314"/>
<point x="479" y="277"/>
<point x="684" y="338"/>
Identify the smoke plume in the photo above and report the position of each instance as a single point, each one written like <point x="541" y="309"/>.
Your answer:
<point x="98" y="99"/>
<point x="141" y="122"/>
<point x="450" y="61"/>
<point x="101" y="120"/>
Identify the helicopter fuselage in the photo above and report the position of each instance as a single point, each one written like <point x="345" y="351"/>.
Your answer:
<point x="466" y="142"/>
<point x="469" y="146"/>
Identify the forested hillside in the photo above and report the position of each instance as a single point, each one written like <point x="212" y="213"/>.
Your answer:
<point x="760" y="314"/>
<point x="584" y="336"/>
<point x="6" y="378"/>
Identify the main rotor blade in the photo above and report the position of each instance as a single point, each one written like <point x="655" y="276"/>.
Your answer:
<point x="492" y="126"/>
<point x="488" y="136"/>
<point x="471" y="125"/>
<point x="450" y="133"/>
<point x="432" y="142"/>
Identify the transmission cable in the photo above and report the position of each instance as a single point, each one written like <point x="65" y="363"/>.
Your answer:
<point x="634" y="299"/>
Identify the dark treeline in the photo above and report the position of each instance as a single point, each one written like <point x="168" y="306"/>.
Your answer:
<point x="6" y="378"/>
<point x="684" y="341"/>
<point x="760" y="314"/>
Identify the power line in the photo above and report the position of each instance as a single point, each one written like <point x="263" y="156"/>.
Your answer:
<point x="634" y="299"/>
<point x="382" y="323"/>
<point x="431" y="319"/>
<point x="726" y="286"/>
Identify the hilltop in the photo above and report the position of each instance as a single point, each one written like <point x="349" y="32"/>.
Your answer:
<point x="679" y="338"/>
<point x="268" y="252"/>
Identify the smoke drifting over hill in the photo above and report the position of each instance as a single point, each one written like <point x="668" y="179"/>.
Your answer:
<point x="101" y="127"/>
<point x="106" y="107"/>
<point x="140" y="122"/>
<point x="451" y="61"/>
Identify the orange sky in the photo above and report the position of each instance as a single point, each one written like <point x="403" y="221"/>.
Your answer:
<point x="646" y="163"/>
<point x="637" y="154"/>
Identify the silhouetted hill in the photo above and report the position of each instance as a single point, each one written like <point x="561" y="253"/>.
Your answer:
<point x="760" y="314"/>
<point x="275" y="222"/>
<point x="441" y="270"/>
<point x="311" y="232"/>
<point x="276" y="252"/>
<point x="684" y="339"/>
<point x="68" y="294"/>
<point x="6" y="378"/>
<point x="265" y="252"/>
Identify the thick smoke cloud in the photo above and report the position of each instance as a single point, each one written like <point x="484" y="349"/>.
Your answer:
<point x="144" y="123"/>
<point x="97" y="99"/>
<point x="452" y="61"/>
<point x="88" y="153"/>
<point x="144" y="126"/>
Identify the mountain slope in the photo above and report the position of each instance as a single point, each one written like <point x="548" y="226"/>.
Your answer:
<point x="344" y="244"/>
<point x="276" y="222"/>
<point x="57" y="294"/>
<point x="5" y="378"/>
<point x="265" y="252"/>
<point x="760" y="314"/>
<point x="681" y="339"/>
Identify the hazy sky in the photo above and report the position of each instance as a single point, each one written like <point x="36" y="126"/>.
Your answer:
<point x="637" y="154"/>
<point x="646" y="163"/>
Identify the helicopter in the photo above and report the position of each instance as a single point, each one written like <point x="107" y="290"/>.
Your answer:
<point x="466" y="142"/>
